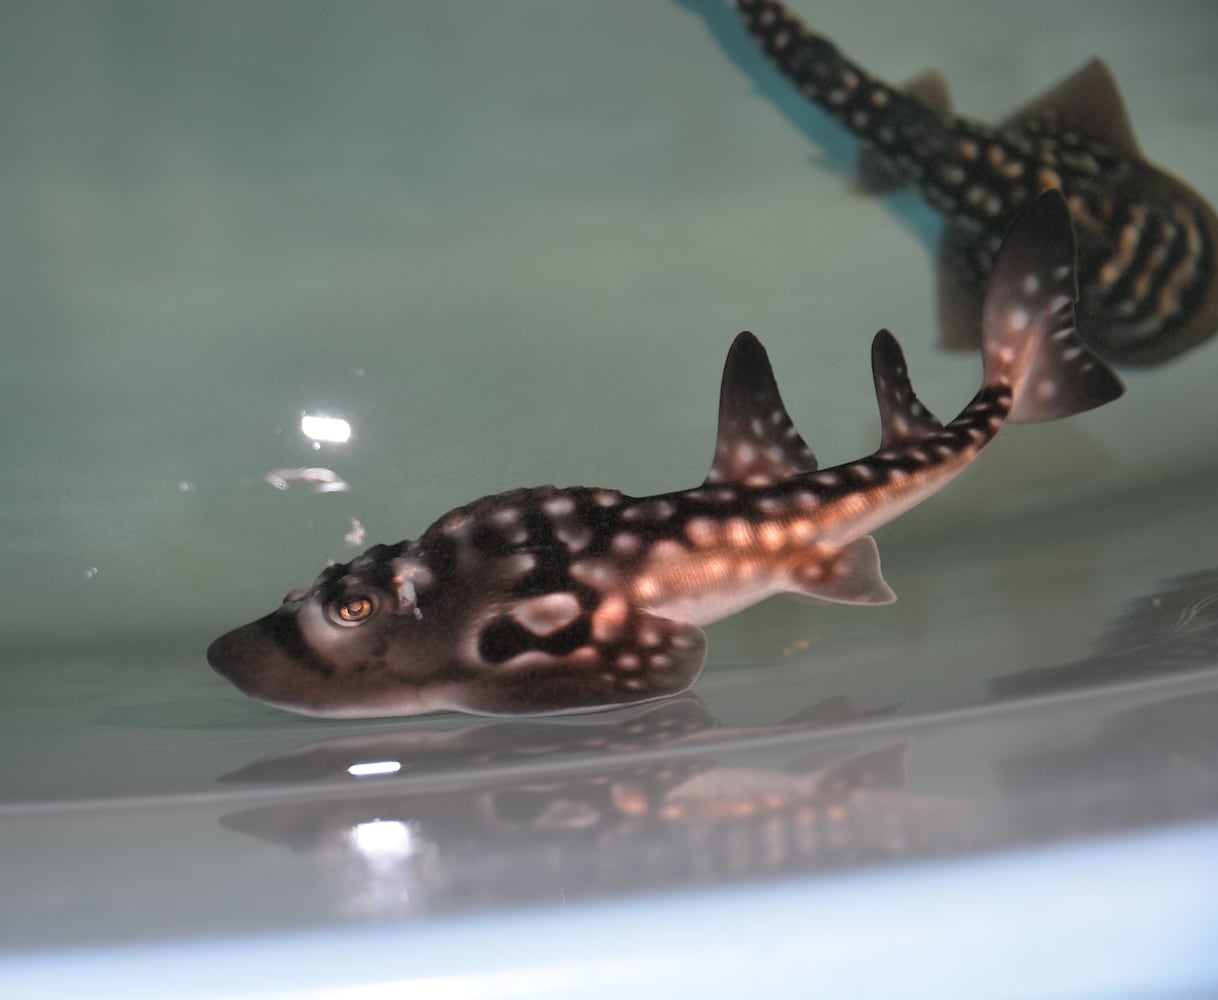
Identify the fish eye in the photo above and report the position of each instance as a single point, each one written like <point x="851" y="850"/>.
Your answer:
<point x="353" y="610"/>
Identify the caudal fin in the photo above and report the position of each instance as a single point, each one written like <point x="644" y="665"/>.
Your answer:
<point x="1028" y="330"/>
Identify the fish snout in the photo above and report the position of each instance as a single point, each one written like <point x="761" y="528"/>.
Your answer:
<point x="258" y="657"/>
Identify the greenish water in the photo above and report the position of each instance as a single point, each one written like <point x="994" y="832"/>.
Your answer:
<point x="509" y="242"/>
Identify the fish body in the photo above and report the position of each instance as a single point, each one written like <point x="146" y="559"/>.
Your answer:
<point x="548" y="600"/>
<point x="1148" y="273"/>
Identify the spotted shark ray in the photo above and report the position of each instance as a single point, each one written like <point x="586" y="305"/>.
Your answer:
<point x="1146" y="242"/>
<point x="550" y="600"/>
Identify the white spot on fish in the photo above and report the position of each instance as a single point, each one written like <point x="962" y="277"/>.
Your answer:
<point x="576" y="537"/>
<point x="625" y="543"/>
<point x="650" y="636"/>
<point x="594" y="572"/>
<point x="660" y="510"/>
<point x="505" y="515"/>
<point x="701" y="531"/>
<point x="559" y="506"/>
<point x="547" y="614"/>
<point x="610" y="619"/>
<point x="772" y="536"/>
<point x="666" y="550"/>
<point x="606" y="498"/>
<point x="521" y="563"/>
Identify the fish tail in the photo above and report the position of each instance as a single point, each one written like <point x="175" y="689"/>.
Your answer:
<point x="870" y="109"/>
<point x="1030" y="343"/>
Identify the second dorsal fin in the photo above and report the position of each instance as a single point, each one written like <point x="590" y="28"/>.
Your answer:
<point x="757" y="444"/>
<point x="902" y="415"/>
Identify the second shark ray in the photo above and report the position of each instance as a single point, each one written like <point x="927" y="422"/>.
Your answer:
<point x="1148" y="275"/>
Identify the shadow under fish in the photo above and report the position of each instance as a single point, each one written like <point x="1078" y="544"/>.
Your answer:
<point x="1146" y="241"/>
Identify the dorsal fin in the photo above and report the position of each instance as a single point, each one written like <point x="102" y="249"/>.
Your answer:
<point x="902" y="414"/>
<point x="757" y="445"/>
<point x="1088" y="101"/>
<point x="876" y="172"/>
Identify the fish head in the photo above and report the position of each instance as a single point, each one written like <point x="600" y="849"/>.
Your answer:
<point x="355" y="644"/>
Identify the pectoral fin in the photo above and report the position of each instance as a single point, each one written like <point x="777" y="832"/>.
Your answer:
<point x="630" y="656"/>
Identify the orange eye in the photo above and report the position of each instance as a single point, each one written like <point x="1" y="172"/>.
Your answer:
<point x="355" y="610"/>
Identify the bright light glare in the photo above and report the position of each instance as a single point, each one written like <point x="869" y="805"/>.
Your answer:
<point x="383" y="839"/>
<point x="375" y="767"/>
<point x="333" y="430"/>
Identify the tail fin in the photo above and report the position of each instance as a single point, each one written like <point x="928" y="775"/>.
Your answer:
<point x="1028" y="330"/>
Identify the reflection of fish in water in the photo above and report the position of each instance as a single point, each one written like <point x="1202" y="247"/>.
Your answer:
<point x="1172" y="630"/>
<point x="681" y="722"/>
<point x="1156" y="763"/>
<point x="1147" y="242"/>
<point x="616" y="827"/>
<point x="554" y="600"/>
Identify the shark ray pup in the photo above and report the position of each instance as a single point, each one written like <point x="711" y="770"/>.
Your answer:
<point x="550" y="600"/>
<point x="1147" y="243"/>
